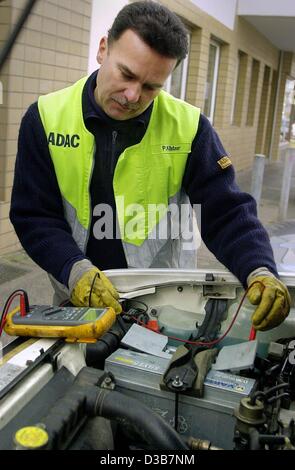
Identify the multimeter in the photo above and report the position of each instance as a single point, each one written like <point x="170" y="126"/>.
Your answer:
<point x="82" y="324"/>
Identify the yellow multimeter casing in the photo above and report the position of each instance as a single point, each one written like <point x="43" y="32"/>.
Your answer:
<point x="75" y="324"/>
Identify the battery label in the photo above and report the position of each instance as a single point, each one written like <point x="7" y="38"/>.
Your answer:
<point x="231" y="382"/>
<point x="149" y="363"/>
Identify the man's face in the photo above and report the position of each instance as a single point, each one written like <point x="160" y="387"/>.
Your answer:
<point x="130" y="77"/>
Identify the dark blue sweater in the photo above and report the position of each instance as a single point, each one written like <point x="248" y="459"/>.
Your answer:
<point x="229" y="225"/>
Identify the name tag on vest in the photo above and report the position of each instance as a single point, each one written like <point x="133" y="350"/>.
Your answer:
<point x="171" y="148"/>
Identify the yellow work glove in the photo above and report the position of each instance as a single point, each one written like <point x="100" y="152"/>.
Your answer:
<point x="102" y="294"/>
<point x="273" y="300"/>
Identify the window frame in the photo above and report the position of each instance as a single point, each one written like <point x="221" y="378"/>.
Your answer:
<point x="217" y="45"/>
<point x="184" y="75"/>
<point x="235" y="88"/>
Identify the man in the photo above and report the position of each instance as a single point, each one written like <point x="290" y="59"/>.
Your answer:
<point x="115" y="141"/>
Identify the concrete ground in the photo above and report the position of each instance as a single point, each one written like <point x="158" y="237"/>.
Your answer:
<point x="17" y="270"/>
<point x="281" y="232"/>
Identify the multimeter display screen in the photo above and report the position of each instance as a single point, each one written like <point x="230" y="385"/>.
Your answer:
<point x="91" y="315"/>
<point x="64" y="316"/>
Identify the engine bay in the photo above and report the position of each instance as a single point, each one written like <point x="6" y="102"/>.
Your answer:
<point x="178" y="370"/>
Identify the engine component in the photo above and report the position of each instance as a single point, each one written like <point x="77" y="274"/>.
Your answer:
<point x="87" y="399"/>
<point x="175" y="322"/>
<point x="188" y="369"/>
<point x="139" y="375"/>
<point x="31" y="438"/>
<point x="216" y="311"/>
<point x="96" y="353"/>
<point x="201" y="444"/>
<point x="249" y="415"/>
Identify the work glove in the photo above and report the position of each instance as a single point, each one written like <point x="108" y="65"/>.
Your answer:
<point x="272" y="298"/>
<point x="90" y="287"/>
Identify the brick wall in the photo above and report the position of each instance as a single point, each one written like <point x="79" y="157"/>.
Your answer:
<point x="51" y="52"/>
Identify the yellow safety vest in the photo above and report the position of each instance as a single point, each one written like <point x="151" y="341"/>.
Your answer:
<point x="147" y="179"/>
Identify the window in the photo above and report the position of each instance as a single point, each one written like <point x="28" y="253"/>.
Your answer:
<point x="176" y="83"/>
<point x="253" y="92"/>
<point x="240" y="85"/>
<point x="263" y="110"/>
<point x="211" y="84"/>
<point x="288" y="123"/>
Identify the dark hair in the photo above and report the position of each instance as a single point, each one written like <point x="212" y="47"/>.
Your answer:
<point x="157" y="26"/>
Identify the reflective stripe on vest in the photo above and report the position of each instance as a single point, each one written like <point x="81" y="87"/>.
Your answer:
<point x="147" y="178"/>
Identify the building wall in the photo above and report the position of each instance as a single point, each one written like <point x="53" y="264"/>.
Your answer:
<point x="224" y="12"/>
<point x="239" y="138"/>
<point x="51" y="52"/>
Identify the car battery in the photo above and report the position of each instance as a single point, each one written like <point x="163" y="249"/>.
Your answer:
<point x="211" y="417"/>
